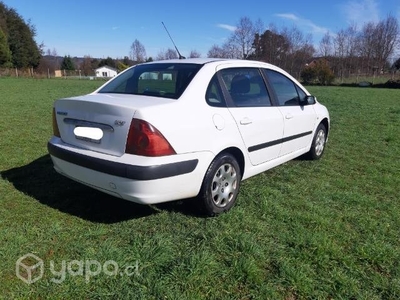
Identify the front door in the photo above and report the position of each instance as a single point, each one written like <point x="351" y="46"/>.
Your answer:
<point x="299" y="119"/>
<point x="261" y="125"/>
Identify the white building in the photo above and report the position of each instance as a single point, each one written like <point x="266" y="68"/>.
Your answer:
<point x="106" y="71"/>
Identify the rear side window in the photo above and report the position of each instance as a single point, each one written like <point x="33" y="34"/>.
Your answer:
<point x="246" y="87"/>
<point x="284" y="88"/>
<point x="167" y="80"/>
<point x="214" y="95"/>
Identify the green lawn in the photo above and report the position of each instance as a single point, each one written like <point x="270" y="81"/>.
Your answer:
<point x="319" y="230"/>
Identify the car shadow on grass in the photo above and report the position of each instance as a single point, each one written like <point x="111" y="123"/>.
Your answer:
<point x="39" y="180"/>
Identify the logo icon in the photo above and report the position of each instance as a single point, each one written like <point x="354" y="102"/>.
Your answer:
<point x="29" y="268"/>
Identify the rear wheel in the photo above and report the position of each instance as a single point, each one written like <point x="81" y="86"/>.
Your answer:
<point x="220" y="185"/>
<point x="318" y="143"/>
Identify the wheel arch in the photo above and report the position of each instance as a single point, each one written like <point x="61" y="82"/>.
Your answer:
<point x="325" y="122"/>
<point x="238" y="155"/>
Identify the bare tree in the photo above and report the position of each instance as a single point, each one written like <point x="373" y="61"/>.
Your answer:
<point x="168" y="54"/>
<point x="325" y="45"/>
<point x="259" y="27"/>
<point x="387" y="37"/>
<point x="366" y="45"/>
<point x="49" y="62"/>
<point x="243" y="37"/>
<point x="194" y="54"/>
<point x="303" y="55"/>
<point x="232" y="51"/>
<point x="137" y="52"/>
<point x="378" y="42"/>
<point x="227" y="50"/>
<point x="216" y="52"/>
<point x="352" y="41"/>
<point x="339" y="44"/>
<point x="54" y="52"/>
<point x="86" y="66"/>
<point x="296" y="41"/>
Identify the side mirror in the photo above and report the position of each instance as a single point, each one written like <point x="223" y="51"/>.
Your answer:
<point x="307" y="100"/>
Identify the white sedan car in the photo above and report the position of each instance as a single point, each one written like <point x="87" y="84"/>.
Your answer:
<point x="178" y="129"/>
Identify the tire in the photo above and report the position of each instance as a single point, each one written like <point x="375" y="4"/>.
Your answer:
<point x="318" y="143"/>
<point x="220" y="186"/>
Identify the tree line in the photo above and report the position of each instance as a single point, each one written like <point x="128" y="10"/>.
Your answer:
<point x="85" y="66"/>
<point x="349" y="51"/>
<point x="367" y="50"/>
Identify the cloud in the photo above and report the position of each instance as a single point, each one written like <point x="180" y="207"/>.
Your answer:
<point x="361" y="11"/>
<point x="115" y="27"/>
<point x="305" y="24"/>
<point x="227" y="27"/>
<point x="288" y="16"/>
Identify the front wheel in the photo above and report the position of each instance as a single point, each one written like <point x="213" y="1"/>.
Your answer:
<point x="220" y="186"/>
<point x="318" y="143"/>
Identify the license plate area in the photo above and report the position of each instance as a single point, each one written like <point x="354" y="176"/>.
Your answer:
<point x="88" y="131"/>
<point x="88" y="134"/>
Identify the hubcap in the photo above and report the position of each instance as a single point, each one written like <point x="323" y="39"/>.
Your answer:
<point x="224" y="185"/>
<point x="320" y="142"/>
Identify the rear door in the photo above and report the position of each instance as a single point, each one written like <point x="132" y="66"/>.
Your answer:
<point x="260" y="124"/>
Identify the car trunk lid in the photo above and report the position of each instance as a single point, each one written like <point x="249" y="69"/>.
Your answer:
<point x="99" y="122"/>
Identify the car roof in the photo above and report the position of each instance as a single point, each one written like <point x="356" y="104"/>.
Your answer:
<point x="200" y="61"/>
<point x="215" y="61"/>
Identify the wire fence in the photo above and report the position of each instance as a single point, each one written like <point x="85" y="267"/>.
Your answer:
<point x="375" y="79"/>
<point x="32" y="73"/>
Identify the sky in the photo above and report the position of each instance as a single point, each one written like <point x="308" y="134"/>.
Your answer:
<point x="108" y="28"/>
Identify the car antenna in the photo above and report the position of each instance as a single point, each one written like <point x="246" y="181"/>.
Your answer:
<point x="176" y="48"/>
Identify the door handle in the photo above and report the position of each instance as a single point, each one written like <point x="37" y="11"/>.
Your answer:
<point x="245" y="121"/>
<point x="289" y="116"/>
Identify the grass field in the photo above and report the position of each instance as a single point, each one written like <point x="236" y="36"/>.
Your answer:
<point x="305" y="230"/>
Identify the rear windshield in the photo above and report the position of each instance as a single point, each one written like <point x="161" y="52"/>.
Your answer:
<point x="167" y="80"/>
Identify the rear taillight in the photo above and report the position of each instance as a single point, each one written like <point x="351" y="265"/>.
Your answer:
<point x="144" y="139"/>
<point x="56" y="131"/>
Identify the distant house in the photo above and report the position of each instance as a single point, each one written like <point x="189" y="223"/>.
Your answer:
<point x="318" y="59"/>
<point x="106" y="71"/>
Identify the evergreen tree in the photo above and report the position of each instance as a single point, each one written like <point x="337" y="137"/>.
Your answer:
<point x="20" y="35"/>
<point x="5" y="54"/>
<point x="67" y="64"/>
<point x="108" y="62"/>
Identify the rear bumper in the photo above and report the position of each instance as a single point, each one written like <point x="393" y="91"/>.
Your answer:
<point x="122" y="169"/>
<point x="149" y="181"/>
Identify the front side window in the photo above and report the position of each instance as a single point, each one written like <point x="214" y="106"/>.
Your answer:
<point x="168" y="80"/>
<point x="246" y="87"/>
<point x="284" y="88"/>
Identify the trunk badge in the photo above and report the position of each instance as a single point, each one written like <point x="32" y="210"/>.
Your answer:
<point x="119" y="123"/>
